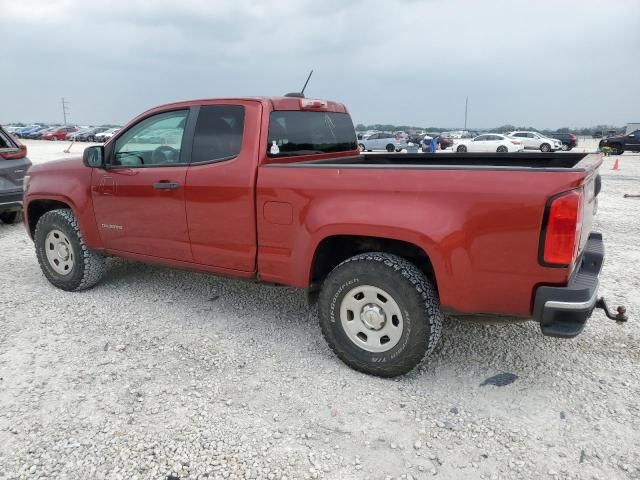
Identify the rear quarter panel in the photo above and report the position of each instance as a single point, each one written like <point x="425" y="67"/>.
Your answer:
<point x="480" y="228"/>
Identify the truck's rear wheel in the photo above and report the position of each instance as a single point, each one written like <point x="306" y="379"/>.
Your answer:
<point x="380" y="314"/>
<point x="63" y="256"/>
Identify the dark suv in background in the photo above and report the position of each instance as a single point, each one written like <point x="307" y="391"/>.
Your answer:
<point x="13" y="167"/>
<point x="622" y="143"/>
<point x="569" y="140"/>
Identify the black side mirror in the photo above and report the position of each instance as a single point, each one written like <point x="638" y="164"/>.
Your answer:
<point x="93" y="157"/>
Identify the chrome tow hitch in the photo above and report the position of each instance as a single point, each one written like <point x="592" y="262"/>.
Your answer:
<point x="621" y="315"/>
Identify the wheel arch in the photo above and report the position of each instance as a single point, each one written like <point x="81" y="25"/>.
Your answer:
<point x="37" y="208"/>
<point x="334" y="249"/>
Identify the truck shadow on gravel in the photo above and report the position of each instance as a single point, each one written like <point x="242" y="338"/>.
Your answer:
<point x="480" y="348"/>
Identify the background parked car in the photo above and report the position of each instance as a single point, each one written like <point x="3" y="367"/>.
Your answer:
<point x="106" y="135"/>
<point x="58" y="134"/>
<point x="90" y="134"/>
<point x="73" y="136"/>
<point x="622" y="143"/>
<point x="537" y="141"/>
<point x="569" y="140"/>
<point x="38" y="132"/>
<point x="13" y="166"/>
<point x="23" y="132"/>
<point x="382" y="141"/>
<point x="490" y="142"/>
<point x="446" y="140"/>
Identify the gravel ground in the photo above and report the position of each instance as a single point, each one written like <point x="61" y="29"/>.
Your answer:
<point x="166" y="374"/>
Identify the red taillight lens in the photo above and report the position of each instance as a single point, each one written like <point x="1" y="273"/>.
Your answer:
<point x="515" y="142"/>
<point x="562" y="229"/>
<point x="16" y="154"/>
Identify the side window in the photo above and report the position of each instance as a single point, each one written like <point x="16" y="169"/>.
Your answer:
<point x="481" y="138"/>
<point x="520" y="135"/>
<point x="218" y="134"/>
<point x="155" y="141"/>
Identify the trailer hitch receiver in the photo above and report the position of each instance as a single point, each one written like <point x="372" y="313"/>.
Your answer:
<point x="621" y="315"/>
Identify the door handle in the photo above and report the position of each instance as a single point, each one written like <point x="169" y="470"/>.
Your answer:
<point x="166" y="185"/>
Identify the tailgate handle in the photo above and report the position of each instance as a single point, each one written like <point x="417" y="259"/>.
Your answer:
<point x="166" y="185"/>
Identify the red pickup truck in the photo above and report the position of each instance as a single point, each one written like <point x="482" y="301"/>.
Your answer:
<point x="274" y="189"/>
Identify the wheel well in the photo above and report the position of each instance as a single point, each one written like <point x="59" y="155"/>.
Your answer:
<point x="334" y="250"/>
<point x="37" y="208"/>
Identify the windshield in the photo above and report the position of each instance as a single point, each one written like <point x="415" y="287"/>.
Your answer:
<point x="305" y="133"/>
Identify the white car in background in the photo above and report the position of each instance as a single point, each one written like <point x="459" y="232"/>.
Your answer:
<point x="106" y="135"/>
<point x="382" y="141"/>
<point x="489" y="142"/>
<point x="537" y="141"/>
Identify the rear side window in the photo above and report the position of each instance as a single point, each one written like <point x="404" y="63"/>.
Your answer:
<point x="5" y="140"/>
<point x="218" y="134"/>
<point x="306" y="133"/>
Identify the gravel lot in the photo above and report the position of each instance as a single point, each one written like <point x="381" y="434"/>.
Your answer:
<point x="166" y="374"/>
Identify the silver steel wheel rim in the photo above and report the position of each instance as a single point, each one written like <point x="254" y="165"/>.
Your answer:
<point x="371" y="318"/>
<point x="59" y="252"/>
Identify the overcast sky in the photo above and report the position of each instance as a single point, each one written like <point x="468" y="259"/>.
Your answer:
<point x="541" y="63"/>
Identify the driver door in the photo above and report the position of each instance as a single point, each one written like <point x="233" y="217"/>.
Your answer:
<point x="138" y="199"/>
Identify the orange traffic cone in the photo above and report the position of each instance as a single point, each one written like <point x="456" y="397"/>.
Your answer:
<point x="615" y="165"/>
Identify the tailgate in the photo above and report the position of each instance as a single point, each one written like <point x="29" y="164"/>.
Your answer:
<point x="590" y="190"/>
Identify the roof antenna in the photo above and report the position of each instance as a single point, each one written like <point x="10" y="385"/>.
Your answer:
<point x="301" y="93"/>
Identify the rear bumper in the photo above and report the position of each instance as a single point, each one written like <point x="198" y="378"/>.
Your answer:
<point x="563" y="311"/>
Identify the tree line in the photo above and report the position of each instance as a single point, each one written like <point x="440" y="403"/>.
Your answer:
<point x="501" y="129"/>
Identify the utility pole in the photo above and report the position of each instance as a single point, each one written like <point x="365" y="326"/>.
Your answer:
<point x="65" y="110"/>
<point x="466" y="109"/>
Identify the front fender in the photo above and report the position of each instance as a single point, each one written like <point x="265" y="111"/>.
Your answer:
<point x="48" y="189"/>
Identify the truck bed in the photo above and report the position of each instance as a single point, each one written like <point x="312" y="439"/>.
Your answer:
<point x="512" y="161"/>
<point x="478" y="217"/>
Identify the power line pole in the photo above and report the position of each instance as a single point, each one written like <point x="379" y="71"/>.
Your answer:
<point x="466" y="109"/>
<point x="65" y="110"/>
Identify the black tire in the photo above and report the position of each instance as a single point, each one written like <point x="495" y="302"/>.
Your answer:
<point x="502" y="149"/>
<point x="408" y="287"/>
<point x="88" y="266"/>
<point x="565" y="148"/>
<point x="617" y="149"/>
<point x="545" y="148"/>
<point x="361" y="147"/>
<point x="10" y="217"/>
<point x="461" y="149"/>
<point x="391" y="148"/>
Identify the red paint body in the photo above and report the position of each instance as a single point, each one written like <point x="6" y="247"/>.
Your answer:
<point x="248" y="218"/>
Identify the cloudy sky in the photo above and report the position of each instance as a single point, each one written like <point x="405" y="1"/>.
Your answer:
<point x="541" y="63"/>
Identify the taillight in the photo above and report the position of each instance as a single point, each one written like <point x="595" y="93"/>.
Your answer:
<point x="16" y="154"/>
<point x="516" y="142"/>
<point x="561" y="229"/>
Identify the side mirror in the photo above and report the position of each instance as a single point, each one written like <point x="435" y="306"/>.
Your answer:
<point x="93" y="157"/>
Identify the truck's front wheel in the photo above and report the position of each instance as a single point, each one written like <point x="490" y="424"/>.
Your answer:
<point x="380" y="314"/>
<point x="63" y="256"/>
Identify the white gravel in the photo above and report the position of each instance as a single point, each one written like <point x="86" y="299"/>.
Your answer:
<point x="166" y="374"/>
